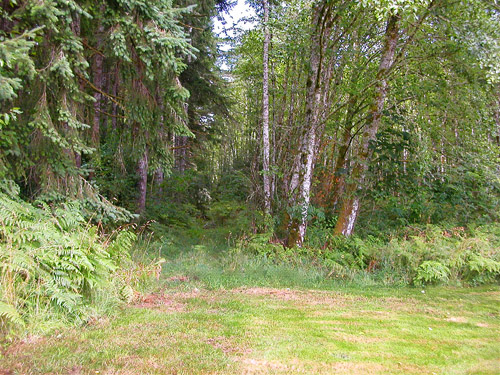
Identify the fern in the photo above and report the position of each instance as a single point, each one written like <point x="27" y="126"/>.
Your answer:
<point x="430" y="272"/>
<point x="51" y="257"/>
<point x="480" y="270"/>
<point x="127" y="293"/>
<point x="9" y="315"/>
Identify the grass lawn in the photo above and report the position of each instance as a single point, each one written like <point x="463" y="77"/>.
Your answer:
<point x="187" y="330"/>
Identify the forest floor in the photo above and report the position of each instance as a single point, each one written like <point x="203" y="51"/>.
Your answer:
<point x="183" y="329"/>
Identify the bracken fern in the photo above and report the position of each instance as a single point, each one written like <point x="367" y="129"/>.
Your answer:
<point x="52" y="258"/>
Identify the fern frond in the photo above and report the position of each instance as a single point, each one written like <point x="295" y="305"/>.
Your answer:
<point x="10" y="314"/>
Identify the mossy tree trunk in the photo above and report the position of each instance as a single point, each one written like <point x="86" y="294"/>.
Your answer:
<point x="351" y="204"/>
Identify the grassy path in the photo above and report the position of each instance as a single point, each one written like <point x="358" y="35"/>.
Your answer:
<point x="280" y="331"/>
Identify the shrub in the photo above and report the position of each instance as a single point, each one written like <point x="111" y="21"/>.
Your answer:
<point x="52" y="259"/>
<point x="421" y="255"/>
<point x="88" y="202"/>
<point x="480" y="270"/>
<point x="431" y="272"/>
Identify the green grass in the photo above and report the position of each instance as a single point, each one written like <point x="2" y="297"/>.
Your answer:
<point x="217" y="312"/>
<point x="280" y="331"/>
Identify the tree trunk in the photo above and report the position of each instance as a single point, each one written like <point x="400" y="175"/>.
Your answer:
<point x="340" y="168"/>
<point x="265" y="113"/>
<point x="142" y="172"/>
<point x="306" y="183"/>
<point x="351" y="204"/>
<point x="159" y="174"/>
<point x="116" y="88"/>
<point x="181" y="145"/>
<point x="159" y="178"/>
<point x="497" y="115"/>
<point x="317" y="89"/>
<point x="98" y="71"/>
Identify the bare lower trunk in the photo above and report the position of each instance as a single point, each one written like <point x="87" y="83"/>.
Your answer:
<point x="181" y="145"/>
<point x="78" y="160"/>
<point x="159" y="178"/>
<point x="116" y="87"/>
<point x="348" y="216"/>
<point x="306" y="184"/>
<point x="351" y="204"/>
<point x="340" y="168"/>
<point x="142" y="173"/>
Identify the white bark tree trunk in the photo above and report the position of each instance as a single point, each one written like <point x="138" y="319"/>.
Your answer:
<point x="319" y="76"/>
<point x="306" y="184"/>
<point x="265" y="113"/>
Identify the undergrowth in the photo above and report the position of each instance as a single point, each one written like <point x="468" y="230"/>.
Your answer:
<point x="426" y="255"/>
<point x="57" y="269"/>
<point x="216" y="258"/>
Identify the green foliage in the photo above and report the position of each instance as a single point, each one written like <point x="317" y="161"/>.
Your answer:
<point x="233" y="185"/>
<point x="222" y="212"/>
<point x="137" y="278"/>
<point x="431" y="272"/>
<point x="418" y="256"/>
<point x="50" y="258"/>
<point x="87" y="200"/>
<point x="261" y="245"/>
<point x="15" y="61"/>
<point x="10" y="140"/>
<point x="351" y="253"/>
<point x="481" y="270"/>
<point x="9" y="316"/>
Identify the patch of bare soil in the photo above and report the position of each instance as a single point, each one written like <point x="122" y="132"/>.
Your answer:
<point x="224" y="344"/>
<point x="182" y="279"/>
<point x="457" y="319"/>
<point x="195" y="293"/>
<point x="308" y="297"/>
<point x="20" y="351"/>
<point x="159" y="301"/>
<point x="283" y="294"/>
<point x="18" y="347"/>
<point x="294" y="366"/>
<point x="75" y="370"/>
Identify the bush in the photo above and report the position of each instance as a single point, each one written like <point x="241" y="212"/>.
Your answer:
<point x="431" y="272"/>
<point x="481" y="270"/>
<point x="88" y="202"/>
<point x="52" y="260"/>
<point x="421" y="255"/>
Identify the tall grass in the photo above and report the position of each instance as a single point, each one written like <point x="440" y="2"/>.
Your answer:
<point x="214" y="258"/>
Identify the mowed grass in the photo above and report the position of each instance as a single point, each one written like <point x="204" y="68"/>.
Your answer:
<point x="183" y="329"/>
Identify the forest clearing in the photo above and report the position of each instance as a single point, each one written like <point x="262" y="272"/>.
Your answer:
<point x="182" y="327"/>
<point x="249" y="187"/>
<point x="214" y="311"/>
